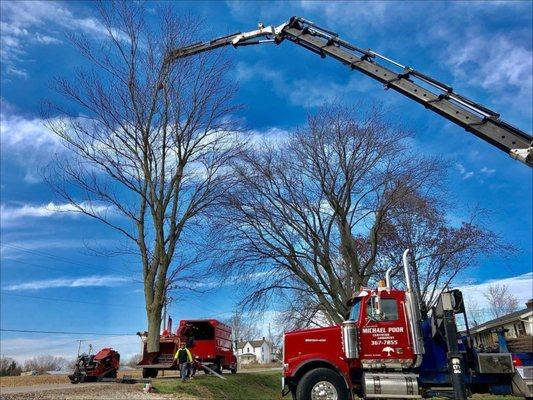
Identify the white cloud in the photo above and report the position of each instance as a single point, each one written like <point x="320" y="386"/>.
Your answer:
<point x="509" y="63"/>
<point x="45" y="39"/>
<point x="272" y="135"/>
<point x="348" y="14"/>
<point x="498" y="62"/>
<point x="309" y="92"/>
<point x="89" y="281"/>
<point x="521" y="286"/>
<point x="36" y="22"/>
<point x="463" y="171"/>
<point x="12" y="214"/>
<point x="487" y="171"/>
<point x="468" y="175"/>
<point x="27" y="141"/>
<point x="45" y="210"/>
<point x="65" y="346"/>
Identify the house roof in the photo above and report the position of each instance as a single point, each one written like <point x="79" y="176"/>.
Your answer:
<point x="253" y="343"/>
<point x="502" y="320"/>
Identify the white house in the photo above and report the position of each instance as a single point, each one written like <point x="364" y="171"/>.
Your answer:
<point x="259" y="351"/>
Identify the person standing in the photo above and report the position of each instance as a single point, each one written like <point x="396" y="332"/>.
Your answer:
<point x="183" y="357"/>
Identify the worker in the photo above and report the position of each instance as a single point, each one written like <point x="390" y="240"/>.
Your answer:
<point x="183" y="357"/>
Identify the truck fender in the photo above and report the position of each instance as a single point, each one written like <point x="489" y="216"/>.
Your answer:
<point x="310" y="364"/>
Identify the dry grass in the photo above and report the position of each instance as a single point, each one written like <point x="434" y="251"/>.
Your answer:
<point x="260" y="366"/>
<point x="12" y="381"/>
<point x="35" y="380"/>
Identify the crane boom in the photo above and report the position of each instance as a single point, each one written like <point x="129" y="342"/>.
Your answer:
<point x="432" y="94"/>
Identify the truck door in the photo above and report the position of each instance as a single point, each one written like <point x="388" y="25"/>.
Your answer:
<point x="384" y="336"/>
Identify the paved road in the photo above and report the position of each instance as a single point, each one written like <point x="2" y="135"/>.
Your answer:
<point x="46" y="387"/>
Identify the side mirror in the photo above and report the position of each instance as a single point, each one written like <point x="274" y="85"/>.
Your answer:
<point x="375" y="307"/>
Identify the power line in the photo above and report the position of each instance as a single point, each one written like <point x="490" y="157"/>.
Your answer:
<point x="65" y="300"/>
<point x="66" y="333"/>
<point x="213" y="313"/>
<point x="58" y="258"/>
<point x="48" y="255"/>
<point x="38" y="266"/>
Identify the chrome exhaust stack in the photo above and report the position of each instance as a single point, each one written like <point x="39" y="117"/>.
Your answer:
<point x="387" y="278"/>
<point x="349" y="339"/>
<point x="413" y="312"/>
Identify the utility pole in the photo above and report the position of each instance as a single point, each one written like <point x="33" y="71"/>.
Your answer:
<point x="79" y="346"/>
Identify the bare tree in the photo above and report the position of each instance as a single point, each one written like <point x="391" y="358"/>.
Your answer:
<point x="132" y="361"/>
<point x="501" y="300"/>
<point x="243" y="328"/>
<point x="149" y="141"/>
<point x="324" y="211"/>
<point x="475" y="313"/>
<point x="44" y="363"/>
<point x="440" y="250"/>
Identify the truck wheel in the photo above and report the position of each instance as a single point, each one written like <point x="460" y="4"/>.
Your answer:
<point x="322" y="384"/>
<point x="218" y="367"/>
<point x="111" y="374"/>
<point x="149" y="373"/>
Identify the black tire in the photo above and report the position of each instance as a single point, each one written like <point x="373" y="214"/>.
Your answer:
<point x="218" y="367"/>
<point x="149" y="373"/>
<point x="233" y="370"/>
<point x="330" y="378"/>
<point x="112" y="374"/>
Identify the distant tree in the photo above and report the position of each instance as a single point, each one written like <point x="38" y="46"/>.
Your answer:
<point x="242" y="328"/>
<point x="133" y="361"/>
<point x="44" y="363"/>
<point x="474" y="312"/>
<point x="149" y="140"/>
<point x="9" y="367"/>
<point x="500" y="300"/>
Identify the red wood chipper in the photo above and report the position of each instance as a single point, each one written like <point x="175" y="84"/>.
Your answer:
<point x="93" y="368"/>
<point x="208" y="340"/>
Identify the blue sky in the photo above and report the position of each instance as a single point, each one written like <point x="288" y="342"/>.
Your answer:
<point x="483" y="50"/>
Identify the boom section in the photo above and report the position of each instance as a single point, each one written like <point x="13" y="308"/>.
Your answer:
<point x="432" y="94"/>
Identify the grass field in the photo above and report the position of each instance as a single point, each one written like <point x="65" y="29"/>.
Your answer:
<point x="249" y="386"/>
<point x="12" y="381"/>
<point x="259" y="366"/>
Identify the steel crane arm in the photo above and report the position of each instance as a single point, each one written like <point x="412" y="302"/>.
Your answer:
<point x="432" y="94"/>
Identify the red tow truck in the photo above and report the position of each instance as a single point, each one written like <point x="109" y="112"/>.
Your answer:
<point x="390" y="347"/>
<point x="208" y="340"/>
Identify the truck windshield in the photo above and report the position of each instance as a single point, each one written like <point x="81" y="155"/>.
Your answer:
<point x="354" y="313"/>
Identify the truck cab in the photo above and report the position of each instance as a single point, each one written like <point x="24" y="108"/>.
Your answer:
<point x="376" y="337"/>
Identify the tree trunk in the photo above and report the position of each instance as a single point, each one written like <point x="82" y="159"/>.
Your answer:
<point x="154" y="326"/>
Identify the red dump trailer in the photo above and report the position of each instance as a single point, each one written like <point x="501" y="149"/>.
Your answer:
<point x="208" y="340"/>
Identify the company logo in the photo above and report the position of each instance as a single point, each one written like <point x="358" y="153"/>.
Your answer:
<point x="388" y="350"/>
<point x="315" y="340"/>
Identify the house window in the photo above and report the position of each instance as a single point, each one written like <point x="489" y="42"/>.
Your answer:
<point x="520" y="329"/>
